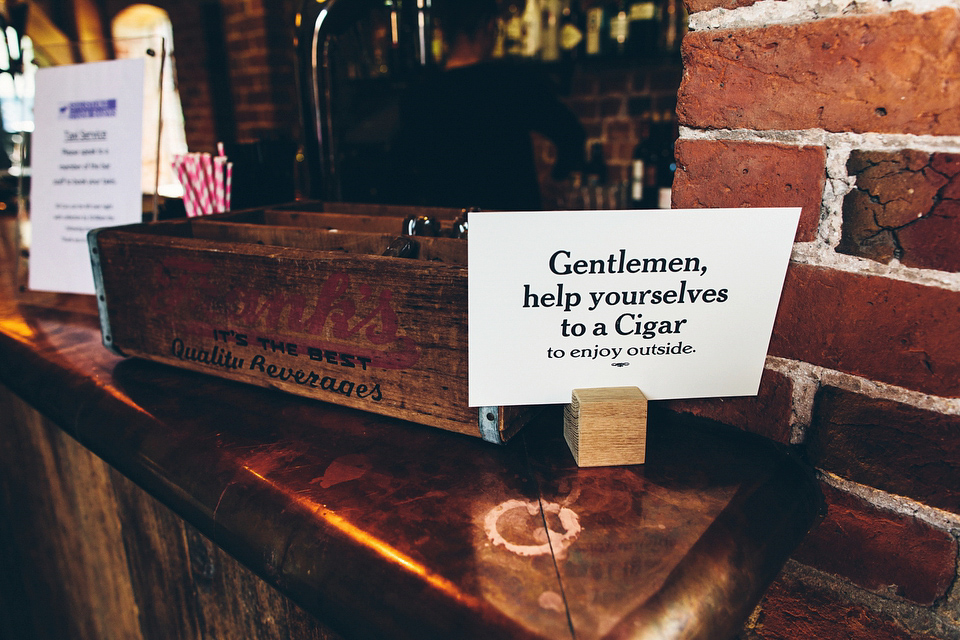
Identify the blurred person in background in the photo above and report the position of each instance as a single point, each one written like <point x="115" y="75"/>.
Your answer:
<point x="464" y="137"/>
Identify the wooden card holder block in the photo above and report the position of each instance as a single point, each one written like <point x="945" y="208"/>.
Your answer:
<point x="606" y="426"/>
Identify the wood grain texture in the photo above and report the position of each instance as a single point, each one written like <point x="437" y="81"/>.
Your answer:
<point x="298" y="308"/>
<point x="606" y="426"/>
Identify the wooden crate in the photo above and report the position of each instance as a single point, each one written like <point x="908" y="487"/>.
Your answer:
<point x="301" y="299"/>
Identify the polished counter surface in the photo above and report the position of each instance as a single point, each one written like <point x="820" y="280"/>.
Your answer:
<point x="386" y="529"/>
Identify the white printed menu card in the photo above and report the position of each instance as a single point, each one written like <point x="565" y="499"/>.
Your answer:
<point x="85" y="166"/>
<point x="679" y="303"/>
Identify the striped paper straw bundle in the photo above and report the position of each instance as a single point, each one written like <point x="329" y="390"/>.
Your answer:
<point x="206" y="181"/>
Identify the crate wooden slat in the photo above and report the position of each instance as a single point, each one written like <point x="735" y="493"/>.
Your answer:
<point x="345" y="232"/>
<point x="293" y="303"/>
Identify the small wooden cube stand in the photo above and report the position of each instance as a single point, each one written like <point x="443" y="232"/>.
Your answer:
<point x="606" y="426"/>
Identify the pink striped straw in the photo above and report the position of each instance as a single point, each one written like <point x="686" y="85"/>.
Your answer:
<point x="218" y="182"/>
<point x="208" y="181"/>
<point x="229" y="187"/>
<point x="189" y="195"/>
<point x="195" y="174"/>
<point x="176" y="164"/>
<point x="188" y="168"/>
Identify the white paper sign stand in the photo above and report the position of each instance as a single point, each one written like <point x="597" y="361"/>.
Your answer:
<point x="622" y="307"/>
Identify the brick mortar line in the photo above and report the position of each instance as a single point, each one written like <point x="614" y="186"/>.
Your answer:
<point x="806" y="380"/>
<point x="913" y="617"/>
<point x="937" y="518"/>
<point x="822" y="255"/>
<point x="773" y="12"/>
<point x="805" y="373"/>
<point x="949" y="605"/>
<point x="870" y="141"/>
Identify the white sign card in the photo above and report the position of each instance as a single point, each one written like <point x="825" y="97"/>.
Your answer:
<point x="85" y="166"/>
<point x="679" y="303"/>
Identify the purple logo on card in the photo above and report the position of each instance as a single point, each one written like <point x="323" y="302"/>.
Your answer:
<point x="88" y="109"/>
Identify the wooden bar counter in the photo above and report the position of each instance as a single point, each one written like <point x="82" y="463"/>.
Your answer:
<point x="143" y="501"/>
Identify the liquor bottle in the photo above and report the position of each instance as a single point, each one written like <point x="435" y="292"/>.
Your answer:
<point x="513" y="33"/>
<point x="572" y="26"/>
<point x="668" y="166"/>
<point x="438" y="43"/>
<point x="393" y="11"/>
<point x="644" y="27"/>
<point x="618" y="29"/>
<point x="550" y="30"/>
<point x="596" y="168"/>
<point x="642" y="157"/>
<point x="395" y="52"/>
<point x="652" y="162"/>
<point x="380" y="47"/>
<point x="596" y="25"/>
<point x="425" y="42"/>
<point x="673" y="24"/>
<point x="532" y="35"/>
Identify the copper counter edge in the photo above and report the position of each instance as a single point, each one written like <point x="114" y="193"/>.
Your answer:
<point x="326" y="583"/>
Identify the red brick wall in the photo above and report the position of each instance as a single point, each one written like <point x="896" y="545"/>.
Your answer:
<point x="259" y="38"/>
<point x="856" y="119"/>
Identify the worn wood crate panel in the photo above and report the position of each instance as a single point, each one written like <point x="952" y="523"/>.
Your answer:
<point x="293" y="309"/>
<point x="308" y="207"/>
<point x="345" y="232"/>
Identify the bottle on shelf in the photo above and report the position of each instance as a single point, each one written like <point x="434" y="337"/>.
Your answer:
<point x="438" y="45"/>
<point x="531" y="23"/>
<point x="642" y="157"/>
<point x="596" y="27"/>
<point x="379" y="49"/>
<point x="643" y="28"/>
<point x="393" y="33"/>
<point x="594" y="186"/>
<point x="550" y="11"/>
<point x="572" y="27"/>
<point x="596" y="170"/>
<point x="513" y="32"/>
<point x="665" y="190"/>
<point x="425" y="38"/>
<point x="382" y="55"/>
<point x="619" y="28"/>
<point x="653" y="165"/>
<point x="670" y="28"/>
<point x="667" y="168"/>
